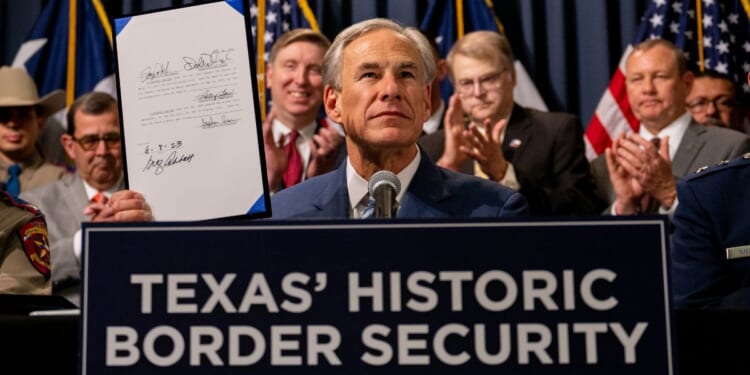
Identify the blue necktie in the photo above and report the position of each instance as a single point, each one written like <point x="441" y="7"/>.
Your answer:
<point x="369" y="211"/>
<point x="13" y="186"/>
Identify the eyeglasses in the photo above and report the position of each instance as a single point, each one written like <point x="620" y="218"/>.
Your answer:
<point x="89" y="142"/>
<point x="487" y="82"/>
<point x="721" y="103"/>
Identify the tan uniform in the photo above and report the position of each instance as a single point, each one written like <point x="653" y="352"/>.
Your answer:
<point x="24" y="248"/>
<point x="34" y="172"/>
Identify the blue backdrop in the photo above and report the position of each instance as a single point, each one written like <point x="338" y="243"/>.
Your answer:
<point x="569" y="47"/>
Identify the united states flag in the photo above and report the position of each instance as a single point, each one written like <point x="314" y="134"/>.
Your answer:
<point x="714" y="35"/>
<point x="268" y="21"/>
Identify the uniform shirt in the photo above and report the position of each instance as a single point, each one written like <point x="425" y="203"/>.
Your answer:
<point x="24" y="248"/>
<point x="34" y="172"/>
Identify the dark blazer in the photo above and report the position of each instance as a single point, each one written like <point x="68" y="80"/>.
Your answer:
<point x="434" y="192"/>
<point x="701" y="145"/>
<point x="549" y="157"/>
<point x="711" y="217"/>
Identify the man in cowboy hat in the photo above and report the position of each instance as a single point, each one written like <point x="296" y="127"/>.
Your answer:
<point x="22" y="115"/>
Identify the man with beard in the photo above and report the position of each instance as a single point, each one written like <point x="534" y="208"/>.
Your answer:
<point x="93" y="144"/>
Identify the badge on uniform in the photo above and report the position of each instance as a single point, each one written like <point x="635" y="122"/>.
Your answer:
<point x="738" y="252"/>
<point x="34" y="239"/>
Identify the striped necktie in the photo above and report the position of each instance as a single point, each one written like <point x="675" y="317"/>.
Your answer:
<point x="369" y="211"/>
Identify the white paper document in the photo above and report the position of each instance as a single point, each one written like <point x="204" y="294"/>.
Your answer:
<point x="189" y="105"/>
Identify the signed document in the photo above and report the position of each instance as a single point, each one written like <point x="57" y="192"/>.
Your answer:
<point x="192" y="139"/>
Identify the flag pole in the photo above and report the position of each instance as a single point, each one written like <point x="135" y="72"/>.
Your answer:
<point x="261" y="48"/>
<point x="103" y="19"/>
<point x="459" y="19"/>
<point x="309" y="16"/>
<point x="699" y="28"/>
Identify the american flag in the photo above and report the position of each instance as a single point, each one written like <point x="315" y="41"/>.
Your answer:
<point x="268" y="21"/>
<point x="714" y="34"/>
<point x="449" y="20"/>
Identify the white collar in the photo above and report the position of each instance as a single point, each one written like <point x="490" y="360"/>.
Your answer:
<point x="90" y="191"/>
<point x="433" y="123"/>
<point x="280" y="129"/>
<point x="357" y="186"/>
<point x="675" y="130"/>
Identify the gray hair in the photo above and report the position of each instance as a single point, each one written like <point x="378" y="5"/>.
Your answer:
<point x="486" y="46"/>
<point x="333" y="60"/>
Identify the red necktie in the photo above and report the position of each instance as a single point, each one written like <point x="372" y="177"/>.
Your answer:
<point x="293" y="173"/>
<point x="100" y="198"/>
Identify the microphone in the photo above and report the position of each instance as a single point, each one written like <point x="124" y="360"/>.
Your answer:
<point x="384" y="186"/>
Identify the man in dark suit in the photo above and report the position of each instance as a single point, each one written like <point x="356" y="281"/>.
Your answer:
<point x="93" y="143"/>
<point x="297" y="145"/>
<point x="637" y="174"/>
<point x="711" y="240"/>
<point x="377" y="76"/>
<point x="540" y="154"/>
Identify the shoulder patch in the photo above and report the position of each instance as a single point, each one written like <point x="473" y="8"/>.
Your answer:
<point x="36" y="245"/>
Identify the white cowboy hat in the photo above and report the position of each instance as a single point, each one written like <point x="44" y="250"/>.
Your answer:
<point x="18" y="89"/>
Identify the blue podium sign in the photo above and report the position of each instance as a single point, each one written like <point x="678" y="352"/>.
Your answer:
<point x="479" y="297"/>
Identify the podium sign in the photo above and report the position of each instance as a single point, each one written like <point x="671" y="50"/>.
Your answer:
<point x="479" y="297"/>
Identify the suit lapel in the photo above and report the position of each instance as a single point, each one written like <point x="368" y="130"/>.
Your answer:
<point x="76" y="198"/>
<point x="517" y="135"/>
<point x="426" y="190"/>
<point x="333" y="200"/>
<point x="692" y="142"/>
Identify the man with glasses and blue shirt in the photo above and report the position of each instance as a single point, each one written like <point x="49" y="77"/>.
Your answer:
<point x="93" y="144"/>
<point x="539" y="154"/>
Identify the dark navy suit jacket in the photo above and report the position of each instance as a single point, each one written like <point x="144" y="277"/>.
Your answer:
<point x="712" y="215"/>
<point x="434" y="192"/>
